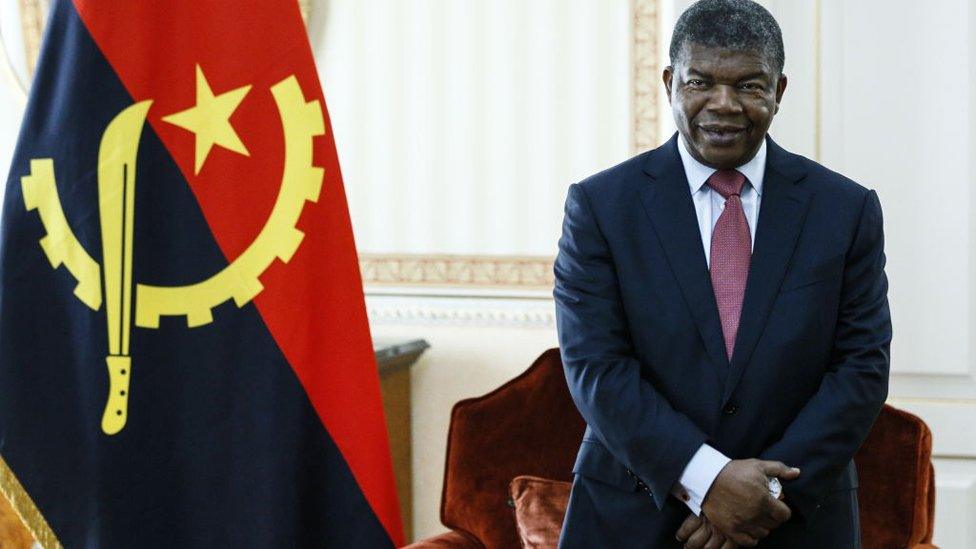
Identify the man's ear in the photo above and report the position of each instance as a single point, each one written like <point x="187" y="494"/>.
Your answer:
<point x="780" y="90"/>
<point x="667" y="76"/>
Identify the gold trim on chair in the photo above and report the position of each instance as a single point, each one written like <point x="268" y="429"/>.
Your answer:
<point x="23" y="505"/>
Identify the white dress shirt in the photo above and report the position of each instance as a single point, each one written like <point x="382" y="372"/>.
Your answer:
<point x="707" y="463"/>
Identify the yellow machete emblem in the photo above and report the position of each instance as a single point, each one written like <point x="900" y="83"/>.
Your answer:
<point x="279" y="238"/>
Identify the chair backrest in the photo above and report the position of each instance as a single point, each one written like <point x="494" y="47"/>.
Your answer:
<point x="529" y="426"/>
<point x="897" y="483"/>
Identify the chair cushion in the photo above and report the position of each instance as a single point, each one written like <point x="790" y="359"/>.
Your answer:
<point x="540" y="506"/>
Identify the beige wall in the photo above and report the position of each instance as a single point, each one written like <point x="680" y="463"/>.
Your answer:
<point x="463" y="362"/>
<point x="459" y="124"/>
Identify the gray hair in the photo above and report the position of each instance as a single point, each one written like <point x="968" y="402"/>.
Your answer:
<point x="733" y="24"/>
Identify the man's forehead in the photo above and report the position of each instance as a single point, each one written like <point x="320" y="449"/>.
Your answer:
<point x="701" y="58"/>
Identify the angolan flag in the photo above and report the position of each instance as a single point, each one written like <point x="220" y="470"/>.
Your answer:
<point x="185" y="359"/>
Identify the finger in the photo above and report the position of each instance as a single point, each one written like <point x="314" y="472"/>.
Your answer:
<point x="729" y="544"/>
<point x="792" y="473"/>
<point x="757" y="532"/>
<point x="699" y="537"/>
<point x="743" y="540"/>
<point x="778" y="511"/>
<point x="715" y="542"/>
<point x="767" y="522"/>
<point x="718" y="539"/>
<point x="779" y="469"/>
<point x="687" y="527"/>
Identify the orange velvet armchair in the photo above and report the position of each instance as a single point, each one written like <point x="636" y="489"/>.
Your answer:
<point x="529" y="426"/>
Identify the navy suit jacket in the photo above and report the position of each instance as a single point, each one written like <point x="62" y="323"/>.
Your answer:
<point x="643" y="351"/>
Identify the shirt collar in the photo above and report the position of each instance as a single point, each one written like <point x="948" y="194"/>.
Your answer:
<point x="698" y="173"/>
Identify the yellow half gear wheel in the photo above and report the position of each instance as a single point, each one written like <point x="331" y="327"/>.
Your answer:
<point x="279" y="238"/>
<point x="60" y="244"/>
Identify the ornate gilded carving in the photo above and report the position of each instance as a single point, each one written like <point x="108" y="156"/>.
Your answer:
<point x="457" y="270"/>
<point x="646" y="81"/>
<point x="33" y="14"/>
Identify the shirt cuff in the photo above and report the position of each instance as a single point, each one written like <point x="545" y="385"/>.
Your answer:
<point x="698" y="477"/>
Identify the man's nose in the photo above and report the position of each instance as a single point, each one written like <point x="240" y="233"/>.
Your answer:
<point x="724" y="100"/>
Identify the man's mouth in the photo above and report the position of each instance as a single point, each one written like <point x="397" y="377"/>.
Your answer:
<point x="722" y="134"/>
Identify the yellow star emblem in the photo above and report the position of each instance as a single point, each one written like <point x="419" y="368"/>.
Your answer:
<point x="209" y="120"/>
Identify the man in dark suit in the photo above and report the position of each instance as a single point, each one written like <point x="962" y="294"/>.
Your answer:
<point x="723" y="317"/>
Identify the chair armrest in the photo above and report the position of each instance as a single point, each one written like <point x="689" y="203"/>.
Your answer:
<point x="452" y="539"/>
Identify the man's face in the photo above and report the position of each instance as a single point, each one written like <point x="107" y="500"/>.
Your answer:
<point x="723" y="102"/>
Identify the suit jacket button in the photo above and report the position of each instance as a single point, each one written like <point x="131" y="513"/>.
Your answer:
<point x="730" y="409"/>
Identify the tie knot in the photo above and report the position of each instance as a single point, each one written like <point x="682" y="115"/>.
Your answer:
<point x="727" y="182"/>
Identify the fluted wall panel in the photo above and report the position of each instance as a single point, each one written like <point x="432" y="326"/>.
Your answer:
<point x="461" y="123"/>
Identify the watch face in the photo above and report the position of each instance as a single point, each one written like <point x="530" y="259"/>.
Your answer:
<point x="775" y="488"/>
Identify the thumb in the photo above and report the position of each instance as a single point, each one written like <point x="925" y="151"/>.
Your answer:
<point x="779" y="470"/>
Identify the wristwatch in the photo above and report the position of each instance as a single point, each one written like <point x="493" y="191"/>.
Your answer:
<point x="775" y="488"/>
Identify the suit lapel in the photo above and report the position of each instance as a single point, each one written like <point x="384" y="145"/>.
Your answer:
<point x="781" y="215"/>
<point x="667" y="202"/>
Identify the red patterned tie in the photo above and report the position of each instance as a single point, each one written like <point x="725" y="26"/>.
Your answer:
<point x="731" y="250"/>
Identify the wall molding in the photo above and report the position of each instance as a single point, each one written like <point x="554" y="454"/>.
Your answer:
<point x="943" y="418"/>
<point x="521" y="272"/>
<point x="935" y="386"/>
<point x="645" y="74"/>
<point x="955" y="485"/>
<point x="33" y="15"/>
<point x="425" y="310"/>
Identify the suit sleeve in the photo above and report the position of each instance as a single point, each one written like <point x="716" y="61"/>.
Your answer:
<point x="633" y="420"/>
<point x="833" y="424"/>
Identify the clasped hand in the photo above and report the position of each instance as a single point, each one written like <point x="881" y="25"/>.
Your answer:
<point x="738" y="510"/>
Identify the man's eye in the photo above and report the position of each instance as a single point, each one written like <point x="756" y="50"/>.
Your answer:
<point x="696" y="83"/>
<point x="751" y="86"/>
